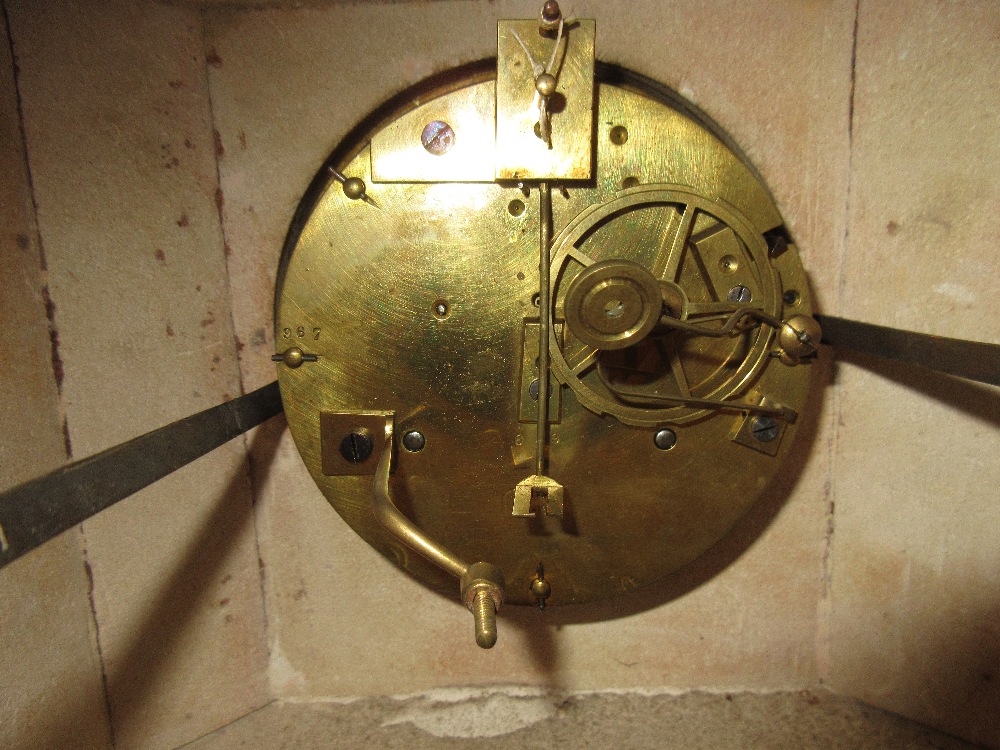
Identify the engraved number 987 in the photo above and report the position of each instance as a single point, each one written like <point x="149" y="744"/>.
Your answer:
<point x="300" y="333"/>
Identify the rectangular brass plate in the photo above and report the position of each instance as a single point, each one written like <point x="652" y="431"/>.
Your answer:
<point x="520" y="154"/>
<point x="335" y="426"/>
<point x="528" y="411"/>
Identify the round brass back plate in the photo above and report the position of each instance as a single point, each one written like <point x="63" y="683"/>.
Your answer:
<point x="418" y="298"/>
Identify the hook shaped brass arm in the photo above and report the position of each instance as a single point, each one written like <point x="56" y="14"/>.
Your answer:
<point x="481" y="584"/>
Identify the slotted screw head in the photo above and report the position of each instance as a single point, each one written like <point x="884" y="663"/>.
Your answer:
<point x="765" y="429"/>
<point x="357" y="446"/>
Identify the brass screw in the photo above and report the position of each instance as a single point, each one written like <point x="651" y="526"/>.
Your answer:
<point x="482" y="592"/>
<point x="485" y="613"/>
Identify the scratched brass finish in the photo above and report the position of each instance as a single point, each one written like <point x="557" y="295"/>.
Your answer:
<point x="365" y="283"/>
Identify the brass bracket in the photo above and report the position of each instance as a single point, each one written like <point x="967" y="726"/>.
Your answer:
<point x="521" y="154"/>
<point x="351" y="442"/>
<point x="538" y="491"/>
<point x="762" y="432"/>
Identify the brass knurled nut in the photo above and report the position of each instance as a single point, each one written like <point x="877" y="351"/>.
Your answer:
<point x="482" y="577"/>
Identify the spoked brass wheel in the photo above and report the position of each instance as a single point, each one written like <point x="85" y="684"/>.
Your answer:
<point x="708" y="264"/>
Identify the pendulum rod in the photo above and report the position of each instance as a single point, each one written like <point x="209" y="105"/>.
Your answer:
<point x="544" y="323"/>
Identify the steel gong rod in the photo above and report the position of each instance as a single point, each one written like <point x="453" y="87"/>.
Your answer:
<point x="38" y="510"/>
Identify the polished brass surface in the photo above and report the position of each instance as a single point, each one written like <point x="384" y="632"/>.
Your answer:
<point x="371" y="284"/>
<point x="530" y="63"/>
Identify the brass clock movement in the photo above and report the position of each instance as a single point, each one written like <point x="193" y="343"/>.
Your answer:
<point x="544" y="338"/>
<point x="542" y="335"/>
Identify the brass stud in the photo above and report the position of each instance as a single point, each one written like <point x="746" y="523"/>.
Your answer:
<point x="540" y="588"/>
<point x="354" y="188"/>
<point x="545" y="84"/>
<point x="549" y="16"/>
<point x="799" y="337"/>
<point x="293" y="357"/>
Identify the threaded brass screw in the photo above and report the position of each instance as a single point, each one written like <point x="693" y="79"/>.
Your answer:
<point x="485" y="613"/>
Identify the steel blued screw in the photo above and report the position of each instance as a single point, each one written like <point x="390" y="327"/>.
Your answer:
<point x="665" y="439"/>
<point x="437" y="137"/>
<point x="533" y="389"/>
<point x="414" y="441"/>
<point x="765" y="429"/>
<point x="739" y="293"/>
<point x="357" y="446"/>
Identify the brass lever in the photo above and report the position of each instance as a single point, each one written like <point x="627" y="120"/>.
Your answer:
<point x="481" y="585"/>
